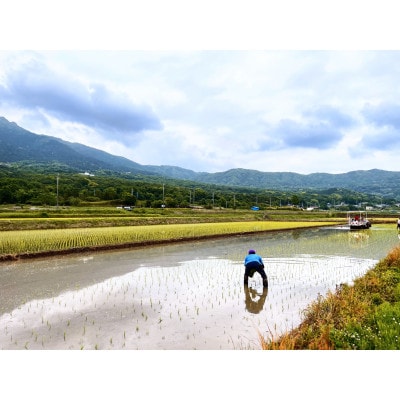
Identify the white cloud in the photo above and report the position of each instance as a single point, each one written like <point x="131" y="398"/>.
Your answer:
<point x="36" y="87"/>
<point x="300" y="111"/>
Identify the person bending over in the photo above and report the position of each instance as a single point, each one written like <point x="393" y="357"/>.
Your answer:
<point x="254" y="263"/>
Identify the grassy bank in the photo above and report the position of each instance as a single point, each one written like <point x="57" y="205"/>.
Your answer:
<point x="363" y="316"/>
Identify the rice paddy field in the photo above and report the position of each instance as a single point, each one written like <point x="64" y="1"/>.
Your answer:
<point x="66" y="240"/>
<point x="182" y="295"/>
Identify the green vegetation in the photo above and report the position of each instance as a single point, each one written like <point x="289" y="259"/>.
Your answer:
<point x="364" y="316"/>
<point x="23" y="151"/>
<point x="22" y="218"/>
<point x="36" y="186"/>
<point x="18" y="243"/>
<point x="45" y="212"/>
<point x="50" y="229"/>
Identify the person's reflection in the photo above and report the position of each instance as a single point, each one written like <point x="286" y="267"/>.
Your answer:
<point x="254" y="300"/>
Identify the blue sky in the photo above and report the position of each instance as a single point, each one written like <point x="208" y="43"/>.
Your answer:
<point x="209" y="105"/>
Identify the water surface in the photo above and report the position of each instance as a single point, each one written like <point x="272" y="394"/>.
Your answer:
<point x="180" y="296"/>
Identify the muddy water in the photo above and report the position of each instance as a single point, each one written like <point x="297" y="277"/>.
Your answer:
<point x="180" y="296"/>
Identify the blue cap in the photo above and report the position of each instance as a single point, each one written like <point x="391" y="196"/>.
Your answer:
<point x="251" y="251"/>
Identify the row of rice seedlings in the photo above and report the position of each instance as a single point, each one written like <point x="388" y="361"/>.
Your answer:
<point x="12" y="242"/>
<point x="301" y="280"/>
<point x="197" y="304"/>
<point x="113" y="298"/>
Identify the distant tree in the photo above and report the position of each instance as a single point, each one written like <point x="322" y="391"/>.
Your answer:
<point x="73" y="201"/>
<point x="170" y="202"/>
<point x="128" y="199"/>
<point x="6" y="195"/>
<point x="295" y="200"/>
<point x="110" y="193"/>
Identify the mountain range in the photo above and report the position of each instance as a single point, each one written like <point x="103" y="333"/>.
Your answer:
<point x="22" y="147"/>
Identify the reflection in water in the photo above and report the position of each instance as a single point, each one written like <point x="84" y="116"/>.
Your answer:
<point x="296" y="234"/>
<point x="197" y="304"/>
<point x="254" y="300"/>
<point x="182" y="296"/>
<point x="359" y="239"/>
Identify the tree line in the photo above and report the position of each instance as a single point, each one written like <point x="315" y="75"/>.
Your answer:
<point x="72" y="189"/>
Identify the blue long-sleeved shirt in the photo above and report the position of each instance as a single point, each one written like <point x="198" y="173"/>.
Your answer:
<point x="253" y="257"/>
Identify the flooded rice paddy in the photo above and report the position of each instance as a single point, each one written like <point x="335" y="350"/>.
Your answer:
<point x="180" y="296"/>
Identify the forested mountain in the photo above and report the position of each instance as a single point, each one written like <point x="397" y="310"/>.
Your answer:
<point x="374" y="181"/>
<point x="17" y="145"/>
<point x="21" y="147"/>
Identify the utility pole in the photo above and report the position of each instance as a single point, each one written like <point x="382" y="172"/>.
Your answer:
<point x="58" y="177"/>
<point x="163" y="196"/>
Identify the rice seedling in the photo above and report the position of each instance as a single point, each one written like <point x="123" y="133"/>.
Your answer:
<point x="206" y="295"/>
<point x="33" y="241"/>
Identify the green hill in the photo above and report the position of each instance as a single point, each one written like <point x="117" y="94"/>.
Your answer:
<point x="19" y="146"/>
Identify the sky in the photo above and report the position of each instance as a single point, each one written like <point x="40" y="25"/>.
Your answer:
<point x="212" y="105"/>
